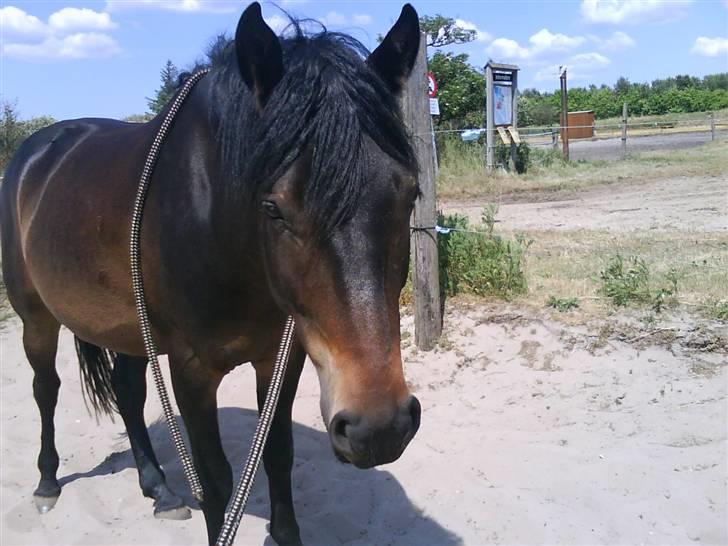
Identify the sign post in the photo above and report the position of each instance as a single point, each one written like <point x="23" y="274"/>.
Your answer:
<point x="501" y="108"/>
<point x="434" y="111"/>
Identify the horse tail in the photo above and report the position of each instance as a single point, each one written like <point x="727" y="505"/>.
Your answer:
<point x="96" y="365"/>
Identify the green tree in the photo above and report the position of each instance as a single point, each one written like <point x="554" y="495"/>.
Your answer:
<point x="13" y="131"/>
<point x="168" y="75"/>
<point x="442" y="31"/>
<point x="461" y="89"/>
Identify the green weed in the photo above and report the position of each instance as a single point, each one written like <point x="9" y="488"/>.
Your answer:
<point x="477" y="261"/>
<point x="562" y="305"/>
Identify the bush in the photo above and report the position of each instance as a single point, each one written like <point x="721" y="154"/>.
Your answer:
<point x="626" y="285"/>
<point x="476" y="261"/>
<point x="632" y="284"/>
<point x="13" y="131"/>
<point x="562" y="305"/>
<point x="521" y="163"/>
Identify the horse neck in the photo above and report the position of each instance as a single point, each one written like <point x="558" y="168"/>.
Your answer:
<point x="199" y="187"/>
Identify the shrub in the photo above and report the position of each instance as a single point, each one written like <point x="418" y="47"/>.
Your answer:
<point x="476" y="261"/>
<point x="631" y="284"/>
<point x="562" y="305"/>
<point x="623" y="285"/>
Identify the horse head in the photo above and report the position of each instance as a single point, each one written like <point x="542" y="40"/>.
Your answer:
<point x="334" y="217"/>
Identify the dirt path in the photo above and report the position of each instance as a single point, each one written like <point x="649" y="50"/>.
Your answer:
<point x="696" y="203"/>
<point x="611" y="148"/>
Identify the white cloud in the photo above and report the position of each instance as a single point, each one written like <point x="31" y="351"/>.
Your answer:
<point x="480" y="35"/>
<point x="618" y="41"/>
<point x="578" y="67"/>
<point x="68" y="20"/>
<point x="277" y="22"/>
<point x="70" y="33"/>
<point x="189" y="6"/>
<point x="334" y="18"/>
<point x="544" y="41"/>
<point x="631" y="11"/>
<point x="505" y="48"/>
<point x="82" y="45"/>
<point x="710" y="47"/>
<point x="364" y="19"/>
<point x="589" y="59"/>
<point x="16" y="25"/>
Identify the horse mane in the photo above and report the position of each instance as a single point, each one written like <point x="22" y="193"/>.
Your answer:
<point x="327" y="101"/>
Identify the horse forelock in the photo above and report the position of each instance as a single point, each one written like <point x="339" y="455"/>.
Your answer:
<point x="328" y="100"/>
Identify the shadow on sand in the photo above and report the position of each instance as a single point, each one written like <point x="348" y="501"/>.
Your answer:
<point x="335" y="503"/>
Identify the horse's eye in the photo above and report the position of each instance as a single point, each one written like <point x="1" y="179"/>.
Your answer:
<point x="272" y="210"/>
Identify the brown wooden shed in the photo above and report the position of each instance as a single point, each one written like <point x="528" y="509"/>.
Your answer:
<point x="581" y="124"/>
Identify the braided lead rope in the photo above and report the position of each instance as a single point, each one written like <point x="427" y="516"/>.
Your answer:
<point x="240" y="499"/>
<point x="138" y="284"/>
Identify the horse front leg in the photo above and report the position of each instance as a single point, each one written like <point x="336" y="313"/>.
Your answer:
<point x="278" y="452"/>
<point x="195" y="388"/>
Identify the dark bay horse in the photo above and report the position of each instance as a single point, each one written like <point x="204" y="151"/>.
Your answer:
<point x="285" y="187"/>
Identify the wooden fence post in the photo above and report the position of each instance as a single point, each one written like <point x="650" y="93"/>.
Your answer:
<point x="624" y="130"/>
<point x="425" y="266"/>
<point x="564" y="115"/>
<point x="712" y="126"/>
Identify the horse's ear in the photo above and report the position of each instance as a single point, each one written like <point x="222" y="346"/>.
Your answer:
<point x="395" y="56"/>
<point x="260" y="56"/>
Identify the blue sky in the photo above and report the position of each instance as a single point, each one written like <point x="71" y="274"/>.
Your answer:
<point x="70" y="58"/>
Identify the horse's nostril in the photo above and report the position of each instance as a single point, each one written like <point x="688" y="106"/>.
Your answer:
<point x="339" y="425"/>
<point x="415" y="411"/>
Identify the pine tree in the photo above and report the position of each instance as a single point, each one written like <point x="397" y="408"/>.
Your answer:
<point x="168" y="76"/>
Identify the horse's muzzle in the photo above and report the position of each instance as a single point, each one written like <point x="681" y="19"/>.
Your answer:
<point x="366" y="442"/>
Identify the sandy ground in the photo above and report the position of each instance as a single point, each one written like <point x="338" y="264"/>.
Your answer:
<point x="685" y="203"/>
<point x="533" y="432"/>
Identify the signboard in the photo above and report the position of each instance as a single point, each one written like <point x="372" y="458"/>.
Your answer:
<point x="503" y="77"/>
<point x="502" y="105"/>
<point x="431" y="85"/>
<point x="434" y="107"/>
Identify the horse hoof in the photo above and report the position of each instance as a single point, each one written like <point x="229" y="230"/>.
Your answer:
<point x="175" y="513"/>
<point x="44" y="504"/>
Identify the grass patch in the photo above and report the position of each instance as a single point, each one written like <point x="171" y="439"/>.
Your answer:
<point x="566" y="264"/>
<point x="475" y="260"/>
<point x="462" y="174"/>
<point x="629" y="281"/>
<point x="562" y="305"/>
<point x="701" y="118"/>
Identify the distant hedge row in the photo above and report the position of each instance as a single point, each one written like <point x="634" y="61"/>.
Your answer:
<point x="461" y="95"/>
<point x="643" y="99"/>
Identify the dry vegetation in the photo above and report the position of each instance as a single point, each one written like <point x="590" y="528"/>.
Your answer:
<point x="563" y="266"/>
<point x="462" y="176"/>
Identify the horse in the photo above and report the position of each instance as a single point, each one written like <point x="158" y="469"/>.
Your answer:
<point x="284" y="187"/>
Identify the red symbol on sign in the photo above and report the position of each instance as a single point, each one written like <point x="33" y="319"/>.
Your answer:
<point x="431" y="85"/>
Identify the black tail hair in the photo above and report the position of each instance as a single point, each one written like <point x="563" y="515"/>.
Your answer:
<point x="96" y="365"/>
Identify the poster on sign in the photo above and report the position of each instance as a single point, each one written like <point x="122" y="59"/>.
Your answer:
<point x="502" y="105"/>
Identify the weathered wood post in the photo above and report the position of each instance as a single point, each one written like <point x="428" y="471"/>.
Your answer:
<point x="489" y="128"/>
<point x="425" y="270"/>
<point x="624" y="130"/>
<point x="555" y="139"/>
<point x="564" y="115"/>
<point x="712" y="126"/>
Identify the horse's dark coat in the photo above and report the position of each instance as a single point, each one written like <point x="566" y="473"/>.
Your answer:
<point x="284" y="187"/>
